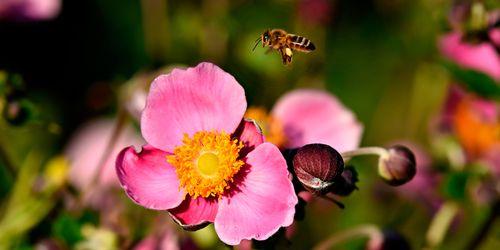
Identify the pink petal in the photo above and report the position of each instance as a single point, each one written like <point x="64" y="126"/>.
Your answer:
<point x="250" y="134"/>
<point x="494" y="35"/>
<point x="148" y="179"/>
<point x="202" y="98"/>
<point x="482" y="57"/>
<point x="194" y="214"/>
<point x="263" y="201"/>
<point x="29" y="10"/>
<point x="313" y="116"/>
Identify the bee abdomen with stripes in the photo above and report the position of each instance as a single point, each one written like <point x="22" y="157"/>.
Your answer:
<point x="301" y="43"/>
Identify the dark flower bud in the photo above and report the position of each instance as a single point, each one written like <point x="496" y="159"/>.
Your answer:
<point x="317" y="166"/>
<point x="390" y="240"/>
<point x="346" y="183"/>
<point x="397" y="167"/>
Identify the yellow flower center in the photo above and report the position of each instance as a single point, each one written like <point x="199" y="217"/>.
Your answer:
<point x="271" y="127"/>
<point x="206" y="163"/>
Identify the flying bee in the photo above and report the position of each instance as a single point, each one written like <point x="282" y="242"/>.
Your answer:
<point x="285" y="43"/>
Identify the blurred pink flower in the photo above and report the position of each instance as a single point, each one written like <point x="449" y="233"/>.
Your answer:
<point x="476" y="124"/>
<point x="86" y="147"/>
<point x="315" y="11"/>
<point x="481" y="57"/>
<point x="165" y="239"/>
<point x="492" y="159"/>
<point x="494" y="35"/>
<point x="203" y="162"/>
<point x="23" y="10"/>
<point x="314" y="116"/>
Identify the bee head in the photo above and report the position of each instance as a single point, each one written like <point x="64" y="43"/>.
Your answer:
<point x="265" y="38"/>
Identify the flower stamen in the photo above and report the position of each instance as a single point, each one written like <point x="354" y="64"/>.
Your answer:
<point x="206" y="163"/>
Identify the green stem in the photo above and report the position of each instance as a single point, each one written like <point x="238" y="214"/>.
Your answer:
<point x="370" y="231"/>
<point x="440" y="224"/>
<point x="486" y="227"/>
<point x="9" y="167"/>
<point x="364" y="151"/>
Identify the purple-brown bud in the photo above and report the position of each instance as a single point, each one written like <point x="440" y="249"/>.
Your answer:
<point x="398" y="166"/>
<point x="346" y="184"/>
<point x="317" y="166"/>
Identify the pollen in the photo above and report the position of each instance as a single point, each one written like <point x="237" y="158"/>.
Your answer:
<point x="271" y="127"/>
<point x="206" y="163"/>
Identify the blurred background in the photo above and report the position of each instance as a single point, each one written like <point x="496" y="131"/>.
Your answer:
<point x="73" y="73"/>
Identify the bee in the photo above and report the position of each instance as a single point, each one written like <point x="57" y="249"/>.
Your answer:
<point x="285" y="43"/>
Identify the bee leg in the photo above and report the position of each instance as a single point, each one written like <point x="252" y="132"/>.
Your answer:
<point x="286" y="55"/>
<point x="268" y="51"/>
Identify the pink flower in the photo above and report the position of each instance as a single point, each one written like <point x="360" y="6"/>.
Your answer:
<point x="20" y="10"/>
<point x="164" y="238"/>
<point x="84" y="152"/>
<point x="203" y="162"/>
<point x="475" y="122"/>
<point x="481" y="57"/>
<point x="309" y="116"/>
<point x="494" y="35"/>
<point x="315" y="12"/>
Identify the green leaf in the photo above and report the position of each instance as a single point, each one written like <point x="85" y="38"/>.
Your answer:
<point x="475" y="81"/>
<point x="67" y="229"/>
<point x="454" y="185"/>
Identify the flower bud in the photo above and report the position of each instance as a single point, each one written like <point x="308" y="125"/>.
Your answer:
<point x="317" y="166"/>
<point x="397" y="167"/>
<point x="347" y="183"/>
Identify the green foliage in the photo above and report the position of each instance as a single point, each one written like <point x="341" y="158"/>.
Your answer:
<point x="454" y="187"/>
<point x="475" y="81"/>
<point x="67" y="228"/>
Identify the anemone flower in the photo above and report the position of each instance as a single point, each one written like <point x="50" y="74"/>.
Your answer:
<point x="474" y="120"/>
<point x="307" y="116"/>
<point x="163" y="237"/>
<point x="476" y="124"/>
<point x="29" y="10"/>
<point x="481" y="57"/>
<point x="83" y="154"/>
<point x="315" y="12"/>
<point x="203" y="162"/>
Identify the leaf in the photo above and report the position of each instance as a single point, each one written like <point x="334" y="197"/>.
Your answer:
<point x="475" y="81"/>
<point x="67" y="229"/>
<point x="455" y="184"/>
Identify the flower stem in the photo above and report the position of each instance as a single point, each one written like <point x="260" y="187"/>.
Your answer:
<point x="9" y="167"/>
<point x="364" y="151"/>
<point x="485" y="228"/>
<point x="370" y="231"/>
<point x="440" y="224"/>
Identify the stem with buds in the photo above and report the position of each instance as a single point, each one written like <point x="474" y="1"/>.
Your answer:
<point x="364" y="151"/>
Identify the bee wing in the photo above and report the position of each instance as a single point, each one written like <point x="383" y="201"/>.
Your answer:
<point x="286" y="55"/>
